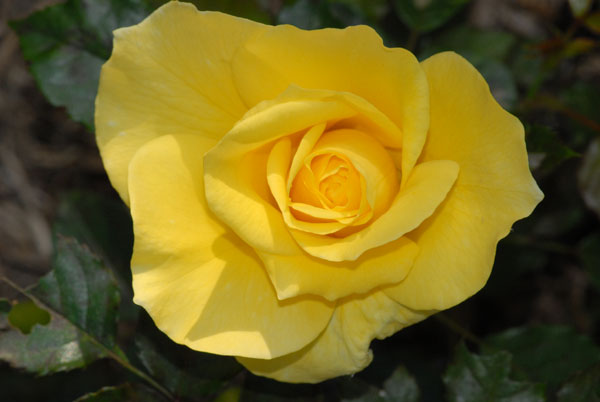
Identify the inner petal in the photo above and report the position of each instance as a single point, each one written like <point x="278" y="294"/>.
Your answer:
<point x="327" y="182"/>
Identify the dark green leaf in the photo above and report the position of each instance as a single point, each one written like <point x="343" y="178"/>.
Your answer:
<point x="82" y="290"/>
<point x="473" y="378"/>
<point x="400" y="387"/>
<point x="528" y="67"/>
<point x="582" y="387"/>
<point x="123" y="393"/>
<point x="580" y="102"/>
<point x="192" y="380"/>
<point x="232" y="394"/>
<point x="471" y="43"/>
<point x="58" y="346"/>
<point x="24" y="315"/>
<point x="589" y="177"/>
<point x="310" y="14"/>
<point x="5" y="306"/>
<point x="355" y="389"/>
<point x="66" y="45"/>
<point x="547" y="353"/>
<point x="374" y="10"/>
<point x="546" y="149"/>
<point x="82" y="299"/>
<point x="589" y="252"/>
<point x="577" y="47"/>
<point x="427" y="15"/>
<point x="103" y="224"/>
<point x="593" y="22"/>
<point x="259" y="389"/>
<point x="501" y="82"/>
<point x="474" y="45"/>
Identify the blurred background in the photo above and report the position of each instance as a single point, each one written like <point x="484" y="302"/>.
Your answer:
<point x="542" y="61"/>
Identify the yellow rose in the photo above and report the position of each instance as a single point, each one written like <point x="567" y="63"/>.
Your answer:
<point x="296" y="194"/>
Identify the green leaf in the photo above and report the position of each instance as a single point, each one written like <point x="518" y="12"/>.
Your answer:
<point x="401" y="387"/>
<point x="193" y="375"/>
<point x="427" y="15"/>
<point x="474" y="45"/>
<point x="546" y="149"/>
<point x="82" y="290"/>
<point x="593" y="22"/>
<point x="5" y="306"/>
<point x="579" y="102"/>
<point x="471" y="43"/>
<point x="259" y="389"/>
<point x="126" y="392"/>
<point x="308" y="14"/>
<point x="582" y="387"/>
<point x="374" y="10"/>
<point x="103" y="224"/>
<point x="232" y="394"/>
<point x="589" y="177"/>
<point x="501" y="82"/>
<point x="547" y="353"/>
<point x="82" y="298"/>
<point x="356" y="389"/>
<point x="58" y="346"/>
<point x="580" y="7"/>
<point x="66" y="45"/>
<point x="473" y="378"/>
<point x="24" y="315"/>
<point x="589" y="253"/>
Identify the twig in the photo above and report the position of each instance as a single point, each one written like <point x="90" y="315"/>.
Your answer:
<point x="459" y="329"/>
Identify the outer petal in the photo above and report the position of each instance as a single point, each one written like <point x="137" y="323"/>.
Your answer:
<point x="200" y="283"/>
<point x="493" y="190"/>
<point x="303" y="274"/>
<point x="343" y="348"/>
<point x="170" y="73"/>
<point x="352" y="60"/>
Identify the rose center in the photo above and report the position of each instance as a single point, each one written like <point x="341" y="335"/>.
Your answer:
<point x="330" y="180"/>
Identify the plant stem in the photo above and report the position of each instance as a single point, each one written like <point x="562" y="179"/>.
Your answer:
<point x="548" y="246"/>
<point x="413" y="37"/>
<point x="459" y="329"/>
<point x="110" y="353"/>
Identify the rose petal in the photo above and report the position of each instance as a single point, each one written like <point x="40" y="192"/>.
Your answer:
<point x="301" y="274"/>
<point x="200" y="283"/>
<point x="494" y="189"/>
<point x="165" y="76"/>
<point x="343" y="348"/>
<point x="425" y="189"/>
<point x="277" y="170"/>
<point x="235" y="170"/>
<point x="351" y="60"/>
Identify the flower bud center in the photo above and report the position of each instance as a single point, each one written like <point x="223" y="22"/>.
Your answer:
<point x="333" y="181"/>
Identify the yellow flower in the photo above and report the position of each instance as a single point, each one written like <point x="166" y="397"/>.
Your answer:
<point x="296" y="194"/>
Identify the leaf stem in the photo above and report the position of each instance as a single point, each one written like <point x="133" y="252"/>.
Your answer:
<point x="413" y="38"/>
<point x="110" y="353"/>
<point x="555" y="105"/>
<point x="459" y="329"/>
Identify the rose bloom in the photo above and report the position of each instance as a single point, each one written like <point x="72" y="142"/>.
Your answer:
<point x="296" y="194"/>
